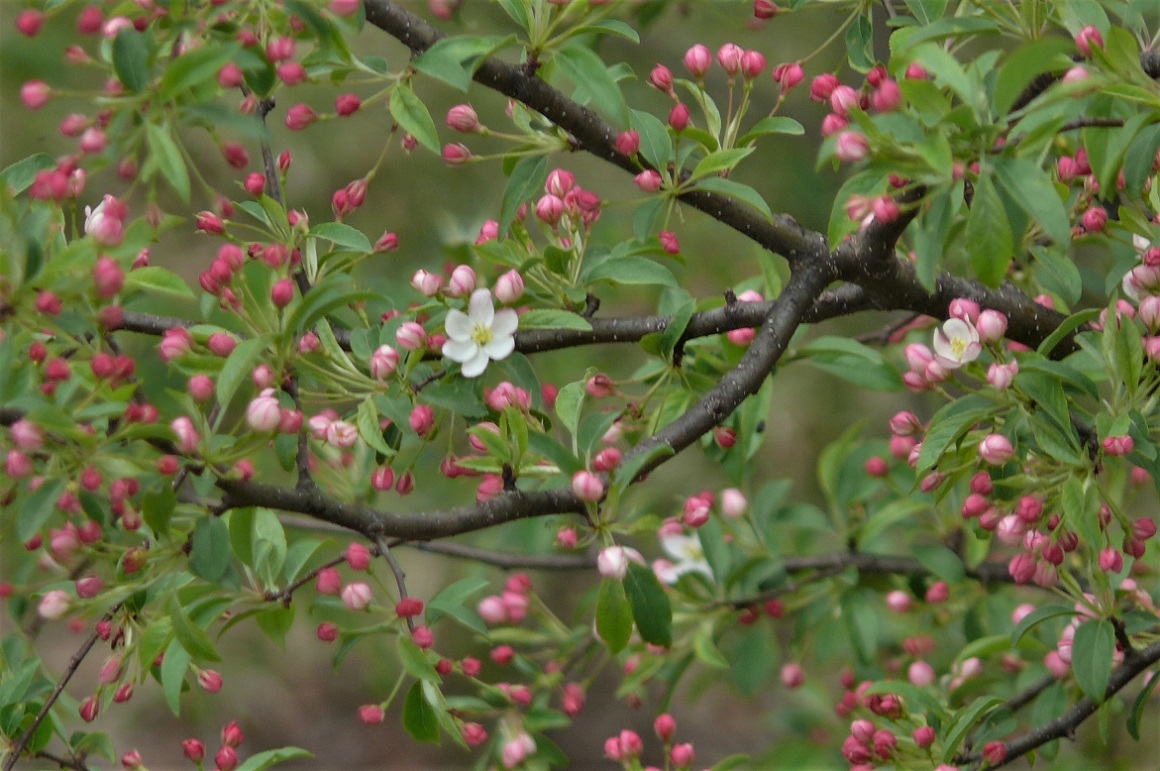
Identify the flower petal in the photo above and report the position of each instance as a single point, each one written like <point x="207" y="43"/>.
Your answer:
<point x="474" y="367"/>
<point x="505" y="322"/>
<point x="458" y="325"/>
<point x="500" y="347"/>
<point x="480" y="308"/>
<point x="460" y="350"/>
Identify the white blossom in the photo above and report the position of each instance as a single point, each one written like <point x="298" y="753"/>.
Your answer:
<point x="688" y="556"/>
<point x="956" y="344"/>
<point x="481" y="335"/>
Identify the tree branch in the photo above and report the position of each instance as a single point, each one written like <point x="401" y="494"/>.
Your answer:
<point x="1064" y="726"/>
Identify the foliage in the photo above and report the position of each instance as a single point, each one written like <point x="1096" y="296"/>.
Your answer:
<point x="984" y="575"/>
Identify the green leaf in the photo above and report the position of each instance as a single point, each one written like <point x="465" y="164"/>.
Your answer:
<point x="367" y="421"/>
<point x="706" y="649"/>
<point x="989" y="240"/>
<point x="1138" y="706"/>
<point x="940" y="561"/>
<point x="454" y="59"/>
<point x="20" y="175"/>
<point x="418" y="716"/>
<point x="164" y="152"/>
<point x="550" y="318"/>
<point x="949" y="425"/>
<point x="173" y="667"/>
<point x="451" y="600"/>
<point x="775" y="125"/>
<point x="156" y="509"/>
<point x="860" y="43"/>
<point x="210" y="553"/>
<point x="414" y="660"/>
<point x="192" y="637"/>
<point x="37" y="507"/>
<point x="1091" y="657"/>
<point x="633" y="270"/>
<point x="342" y="235"/>
<point x="267" y="758"/>
<point x="194" y="67"/>
<point x="1069" y="325"/>
<point x="927" y="11"/>
<point x="722" y="160"/>
<point x="1038" y="616"/>
<point x="1024" y="64"/>
<point x="590" y="76"/>
<point x="743" y="193"/>
<point x="611" y="27"/>
<point x="947" y="70"/>
<point x="526" y="180"/>
<point x="412" y="116"/>
<point x="1138" y="159"/>
<point x="1058" y="273"/>
<point x="154" y="278"/>
<point x="852" y="361"/>
<point x="238" y="366"/>
<point x="655" y="144"/>
<point x="861" y="625"/>
<point x="131" y="59"/>
<point x="568" y="402"/>
<point x="650" y="605"/>
<point x="613" y="615"/>
<point x="628" y="470"/>
<point x="330" y="294"/>
<point x="1031" y="188"/>
<point x="964" y="720"/>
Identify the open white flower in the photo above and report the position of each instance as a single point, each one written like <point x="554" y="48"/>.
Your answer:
<point x="481" y="335"/>
<point x="688" y="554"/>
<point x="956" y="344"/>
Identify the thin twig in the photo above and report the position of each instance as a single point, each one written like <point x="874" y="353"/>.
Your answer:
<point x="70" y="670"/>
<point x="400" y="577"/>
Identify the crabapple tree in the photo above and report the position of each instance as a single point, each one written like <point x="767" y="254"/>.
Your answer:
<point x="230" y="405"/>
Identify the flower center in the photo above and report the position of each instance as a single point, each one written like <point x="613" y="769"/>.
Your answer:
<point x="480" y="335"/>
<point x="958" y="345"/>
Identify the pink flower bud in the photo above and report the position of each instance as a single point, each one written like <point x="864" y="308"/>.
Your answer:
<point x="410" y="336"/>
<point x="765" y="9"/>
<point x="421" y="419"/>
<point x="1094" y="219"/>
<point x="388" y="242"/>
<point x="299" y="117"/>
<point x="698" y="60"/>
<point x="669" y="242"/>
<point x="328" y="581"/>
<point x="89" y="709"/>
<point x="822" y="86"/>
<point x="842" y="100"/>
<point x="851" y="147"/>
<point x="408" y="607"/>
<point x="1000" y="376"/>
<point x="54" y="604"/>
<point x="792" y="676"/>
<point x="679" y="120"/>
<point x="462" y="118"/>
<point x="648" y="181"/>
<point x="456" y="154"/>
<point x="661" y="78"/>
<point x="627" y="143"/>
<point x="887" y="96"/>
<point x="921" y="674"/>
<point x="282" y="292"/>
<point x="1110" y="560"/>
<point x="995" y="449"/>
<point x="384" y="362"/>
<point x="509" y="287"/>
<point x="356" y="596"/>
<point x="209" y="680"/>
<point x="427" y="283"/>
<point x="937" y="592"/>
<point x="753" y="63"/>
<point x="187" y="437"/>
<point x="346" y="105"/>
<point x="994" y="753"/>
<point x="1087" y="38"/>
<point x="788" y="75"/>
<point x="208" y="222"/>
<point x="34" y="94"/>
<point x="587" y="486"/>
<point x="682" y="755"/>
<point x="549" y="209"/>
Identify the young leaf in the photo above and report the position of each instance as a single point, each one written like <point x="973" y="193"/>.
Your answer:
<point x="589" y="75"/>
<point x="650" y="605"/>
<point x="342" y="235"/>
<point x="743" y="193"/>
<point x="131" y="59"/>
<point x="210" y="553"/>
<point x="418" y="716"/>
<point x="1091" y="656"/>
<point x="409" y="110"/>
<point x="613" y="615"/>
<point x="526" y="180"/>
<point x="989" y="240"/>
